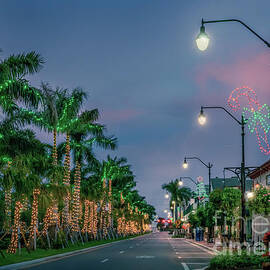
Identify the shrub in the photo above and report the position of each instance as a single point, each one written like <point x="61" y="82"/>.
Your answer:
<point x="237" y="262"/>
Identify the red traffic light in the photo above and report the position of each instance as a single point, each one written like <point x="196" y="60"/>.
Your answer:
<point x="169" y="221"/>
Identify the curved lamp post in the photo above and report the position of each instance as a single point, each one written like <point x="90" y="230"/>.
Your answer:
<point x="187" y="177"/>
<point x="202" y="39"/>
<point x="209" y="166"/>
<point x="243" y="176"/>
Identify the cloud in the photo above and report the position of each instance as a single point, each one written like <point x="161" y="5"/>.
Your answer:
<point x="246" y="69"/>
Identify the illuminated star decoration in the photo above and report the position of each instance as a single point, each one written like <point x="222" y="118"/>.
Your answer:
<point x="257" y="116"/>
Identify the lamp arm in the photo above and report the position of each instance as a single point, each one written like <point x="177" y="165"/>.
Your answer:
<point x="222" y="108"/>
<point x="199" y="160"/>
<point x="246" y="26"/>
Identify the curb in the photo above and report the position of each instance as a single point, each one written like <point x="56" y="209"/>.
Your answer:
<point x="195" y="243"/>
<point x="21" y="265"/>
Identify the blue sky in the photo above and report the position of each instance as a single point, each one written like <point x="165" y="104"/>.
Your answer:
<point x="138" y="62"/>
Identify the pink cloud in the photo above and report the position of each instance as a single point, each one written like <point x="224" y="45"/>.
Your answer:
<point x="120" y="115"/>
<point x="252" y="70"/>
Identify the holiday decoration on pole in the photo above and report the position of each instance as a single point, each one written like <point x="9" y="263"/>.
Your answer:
<point x="200" y="189"/>
<point x="257" y="116"/>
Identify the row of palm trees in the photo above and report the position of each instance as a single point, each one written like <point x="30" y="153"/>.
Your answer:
<point x="60" y="192"/>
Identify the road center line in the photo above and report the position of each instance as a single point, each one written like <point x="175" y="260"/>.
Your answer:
<point x="104" y="261"/>
<point x="122" y="251"/>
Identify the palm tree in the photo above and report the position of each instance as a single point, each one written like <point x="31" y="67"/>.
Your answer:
<point x="14" y="142"/>
<point x="178" y="195"/>
<point x="13" y="85"/>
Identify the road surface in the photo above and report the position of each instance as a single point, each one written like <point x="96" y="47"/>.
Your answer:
<point x="149" y="252"/>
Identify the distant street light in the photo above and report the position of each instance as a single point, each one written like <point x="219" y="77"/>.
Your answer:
<point x="167" y="196"/>
<point x="201" y="118"/>
<point x="165" y="211"/>
<point x="209" y="166"/>
<point x="180" y="183"/>
<point x="189" y="178"/>
<point x="185" y="164"/>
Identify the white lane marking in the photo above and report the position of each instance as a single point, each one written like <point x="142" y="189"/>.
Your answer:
<point x="204" y="249"/>
<point x="122" y="251"/>
<point x="145" y="257"/>
<point x="185" y="266"/>
<point x="104" y="261"/>
<point x="202" y="268"/>
<point x="131" y="247"/>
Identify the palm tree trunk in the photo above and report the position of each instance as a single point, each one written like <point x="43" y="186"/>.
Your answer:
<point x="86" y="216"/>
<point x="66" y="182"/>
<point x="34" y="218"/>
<point x="15" y="229"/>
<point x="54" y="153"/>
<point x="54" y="219"/>
<point x="7" y="209"/>
<point x="76" y="198"/>
<point x="7" y="223"/>
<point x="110" y="205"/>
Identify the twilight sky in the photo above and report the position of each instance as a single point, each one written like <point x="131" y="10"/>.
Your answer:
<point x="138" y="62"/>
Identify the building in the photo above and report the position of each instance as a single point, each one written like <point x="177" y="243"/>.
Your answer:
<point x="233" y="182"/>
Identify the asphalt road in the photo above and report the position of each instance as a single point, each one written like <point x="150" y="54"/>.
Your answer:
<point x="149" y="252"/>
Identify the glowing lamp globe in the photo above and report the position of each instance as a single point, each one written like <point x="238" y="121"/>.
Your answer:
<point x="167" y="196"/>
<point x="250" y="195"/>
<point x="202" y="40"/>
<point x="180" y="183"/>
<point x="202" y="119"/>
<point x="185" y="164"/>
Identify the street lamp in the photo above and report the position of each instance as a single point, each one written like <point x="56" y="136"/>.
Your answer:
<point x="189" y="178"/>
<point x="180" y="183"/>
<point x="202" y="39"/>
<point x="167" y="196"/>
<point x="209" y="166"/>
<point x="243" y="176"/>
<point x="202" y="118"/>
<point x="165" y="211"/>
<point x="185" y="164"/>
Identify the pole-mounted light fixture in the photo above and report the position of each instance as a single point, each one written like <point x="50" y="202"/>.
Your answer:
<point x="202" y="39"/>
<point x="202" y="117"/>
<point x="185" y="164"/>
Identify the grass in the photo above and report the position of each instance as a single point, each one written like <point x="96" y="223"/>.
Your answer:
<point x="41" y="253"/>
